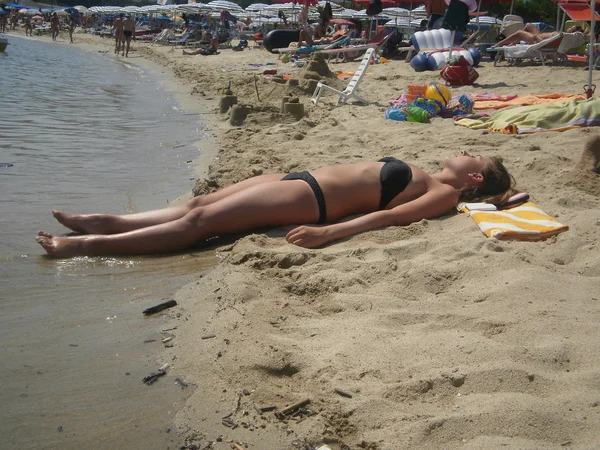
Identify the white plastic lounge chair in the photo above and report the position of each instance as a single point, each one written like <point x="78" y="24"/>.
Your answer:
<point x="350" y="91"/>
<point x="163" y="37"/>
<point x="514" y="53"/>
<point x="183" y="39"/>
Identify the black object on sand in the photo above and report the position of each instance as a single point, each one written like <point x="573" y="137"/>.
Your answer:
<point x="159" y="307"/>
<point x="153" y="377"/>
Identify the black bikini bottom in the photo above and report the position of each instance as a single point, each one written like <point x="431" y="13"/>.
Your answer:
<point x="305" y="176"/>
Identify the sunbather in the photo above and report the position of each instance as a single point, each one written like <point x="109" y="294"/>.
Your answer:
<point x="530" y="34"/>
<point x="310" y="36"/>
<point x="384" y="193"/>
<point x="210" y="48"/>
<point x="207" y="36"/>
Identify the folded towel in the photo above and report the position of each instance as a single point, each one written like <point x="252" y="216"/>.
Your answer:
<point x="525" y="223"/>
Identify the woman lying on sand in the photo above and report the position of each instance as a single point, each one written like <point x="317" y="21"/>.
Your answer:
<point x="386" y="193"/>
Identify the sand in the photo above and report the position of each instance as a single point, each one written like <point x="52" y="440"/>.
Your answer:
<point x="442" y="337"/>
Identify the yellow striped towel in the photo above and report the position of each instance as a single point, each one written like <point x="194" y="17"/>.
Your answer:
<point x="525" y="223"/>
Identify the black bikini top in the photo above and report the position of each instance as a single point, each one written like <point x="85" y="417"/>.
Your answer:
<point x="395" y="176"/>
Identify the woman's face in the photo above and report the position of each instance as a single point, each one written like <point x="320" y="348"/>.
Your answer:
<point x="465" y="163"/>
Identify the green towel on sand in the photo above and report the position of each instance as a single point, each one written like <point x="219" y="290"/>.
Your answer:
<point x="532" y="119"/>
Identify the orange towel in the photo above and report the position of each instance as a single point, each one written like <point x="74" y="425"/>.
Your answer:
<point x="527" y="100"/>
<point x="342" y="75"/>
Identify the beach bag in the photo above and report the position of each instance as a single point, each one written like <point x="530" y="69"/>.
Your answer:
<point x="459" y="73"/>
<point x="374" y="8"/>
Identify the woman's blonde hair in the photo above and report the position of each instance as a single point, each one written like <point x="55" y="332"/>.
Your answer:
<point x="497" y="186"/>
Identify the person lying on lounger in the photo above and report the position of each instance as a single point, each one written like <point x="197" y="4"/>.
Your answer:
<point x="383" y="193"/>
<point x="319" y="34"/>
<point x="210" y="47"/>
<point x="310" y="36"/>
<point x="530" y="34"/>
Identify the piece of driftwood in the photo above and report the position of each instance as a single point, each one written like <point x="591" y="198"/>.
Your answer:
<point x="282" y="413"/>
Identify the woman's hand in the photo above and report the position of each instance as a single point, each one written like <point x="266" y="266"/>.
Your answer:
<point x="308" y="237"/>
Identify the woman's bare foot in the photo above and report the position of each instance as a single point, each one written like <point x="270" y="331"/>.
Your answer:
<point x="82" y="223"/>
<point x="58" y="247"/>
<point x="590" y="158"/>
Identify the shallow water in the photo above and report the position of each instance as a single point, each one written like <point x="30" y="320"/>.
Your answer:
<point x="86" y="132"/>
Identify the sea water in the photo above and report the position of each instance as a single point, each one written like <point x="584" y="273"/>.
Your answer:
<point x="86" y="131"/>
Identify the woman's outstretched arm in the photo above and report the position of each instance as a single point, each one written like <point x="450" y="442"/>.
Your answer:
<point x="432" y="204"/>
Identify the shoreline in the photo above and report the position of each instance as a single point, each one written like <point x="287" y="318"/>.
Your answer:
<point x="105" y="365"/>
<point x="444" y="338"/>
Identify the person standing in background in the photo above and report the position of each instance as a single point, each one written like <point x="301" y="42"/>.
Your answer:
<point x="72" y="26"/>
<point x="435" y="9"/>
<point x="54" y="25"/>
<point x="128" y="31"/>
<point x="118" y="31"/>
<point x="14" y="19"/>
<point x="28" y="26"/>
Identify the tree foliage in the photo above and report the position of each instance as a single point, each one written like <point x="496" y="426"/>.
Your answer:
<point x="530" y="11"/>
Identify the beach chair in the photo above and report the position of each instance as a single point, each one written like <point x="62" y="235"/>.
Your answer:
<point x="516" y="53"/>
<point x="572" y="43"/>
<point x="183" y="40"/>
<point x="595" y="56"/>
<point x="224" y="37"/>
<point x="376" y="43"/>
<point x="163" y="37"/>
<point x="579" y="10"/>
<point x="258" y="39"/>
<point x="350" y="91"/>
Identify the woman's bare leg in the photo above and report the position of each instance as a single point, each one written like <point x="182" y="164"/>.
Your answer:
<point x="113" y="223"/>
<point x="516" y="37"/>
<point x="268" y="204"/>
<point x="305" y="38"/>
<point x="531" y="28"/>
